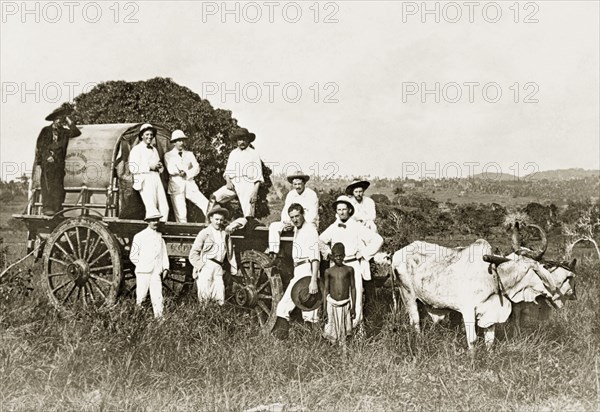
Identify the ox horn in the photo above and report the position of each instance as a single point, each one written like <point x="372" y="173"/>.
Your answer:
<point x="538" y="255"/>
<point x="516" y="237"/>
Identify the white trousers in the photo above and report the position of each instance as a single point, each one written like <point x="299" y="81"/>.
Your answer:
<point x="243" y="190"/>
<point x="210" y="284"/>
<point x="286" y="304"/>
<point x="358" y="282"/>
<point x="194" y="195"/>
<point x="152" y="282"/>
<point x="153" y="196"/>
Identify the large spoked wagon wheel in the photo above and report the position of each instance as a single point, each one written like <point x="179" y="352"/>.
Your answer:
<point x="82" y="265"/>
<point x="258" y="287"/>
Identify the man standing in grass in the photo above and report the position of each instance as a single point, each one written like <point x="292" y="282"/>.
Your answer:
<point x="211" y="254"/>
<point x="340" y="295"/>
<point x="360" y="244"/>
<point x="149" y="255"/>
<point x="305" y="253"/>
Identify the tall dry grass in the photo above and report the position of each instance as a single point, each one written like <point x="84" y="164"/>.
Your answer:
<point x="211" y="358"/>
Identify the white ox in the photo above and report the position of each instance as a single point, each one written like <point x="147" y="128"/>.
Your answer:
<point x="458" y="279"/>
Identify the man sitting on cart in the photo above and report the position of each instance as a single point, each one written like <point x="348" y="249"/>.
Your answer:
<point x="299" y="194"/>
<point x="50" y="153"/>
<point x="243" y="176"/>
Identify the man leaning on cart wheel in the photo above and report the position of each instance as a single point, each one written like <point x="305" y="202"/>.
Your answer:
<point x="146" y="167"/>
<point x="183" y="167"/>
<point x="50" y="153"/>
<point x="211" y="254"/>
<point x="149" y="255"/>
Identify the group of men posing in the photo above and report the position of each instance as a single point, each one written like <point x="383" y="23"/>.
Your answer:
<point x="351" y="241"/>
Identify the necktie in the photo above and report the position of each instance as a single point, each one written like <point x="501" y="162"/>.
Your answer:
<point x="149" y="146"/>
<point x="342" y="225"/>
<point x="180" y="154"/>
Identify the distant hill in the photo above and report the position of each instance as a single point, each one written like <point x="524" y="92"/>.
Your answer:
<point x="563" y="174"/>
<point x="495" y="176"/>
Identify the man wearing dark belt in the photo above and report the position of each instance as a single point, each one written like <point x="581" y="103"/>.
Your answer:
<point x="360" y="244"/>
<point x="305" y="253"/>
<point x="211" y="254"/>
<point x="50" y="153"/>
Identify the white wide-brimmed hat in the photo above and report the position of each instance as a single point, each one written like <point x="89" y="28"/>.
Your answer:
<point x="177" y="135"/>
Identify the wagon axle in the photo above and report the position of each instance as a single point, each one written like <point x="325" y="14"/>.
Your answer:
<point x="79" y="271"/>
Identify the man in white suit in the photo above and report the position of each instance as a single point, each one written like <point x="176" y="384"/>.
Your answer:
<point x="183" y="167"/>
<point x="149" y="255"/>
<point x="146" y="167"/>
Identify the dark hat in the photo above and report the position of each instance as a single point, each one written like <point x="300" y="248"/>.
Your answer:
<point x="146" y="126"/>
<point x="357" y="183"/>
<point x="345" y="200"/>
<point x="298" y="175"/>
<point x="58" y="112"/>
<point x="301" y="296"/>
<point x="217" y="209"/>
<point x="242" y="133"/>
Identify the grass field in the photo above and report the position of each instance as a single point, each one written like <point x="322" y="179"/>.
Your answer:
<point x="212" y="358"/>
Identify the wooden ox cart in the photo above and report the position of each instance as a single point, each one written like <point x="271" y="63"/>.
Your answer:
<point x="85" y="246"/>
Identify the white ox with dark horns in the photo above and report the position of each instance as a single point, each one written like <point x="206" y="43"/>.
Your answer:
<point x="483" y="291"/>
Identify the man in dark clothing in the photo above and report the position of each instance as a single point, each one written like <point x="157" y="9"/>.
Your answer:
<point x="50" y="153"/>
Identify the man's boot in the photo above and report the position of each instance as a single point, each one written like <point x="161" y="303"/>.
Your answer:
<point x="281" y="328"/>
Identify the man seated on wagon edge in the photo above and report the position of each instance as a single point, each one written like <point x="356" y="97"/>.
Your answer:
<point x="243" y="176"/>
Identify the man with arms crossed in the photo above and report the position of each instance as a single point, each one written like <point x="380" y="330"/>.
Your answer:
<point x="183" y="167"/>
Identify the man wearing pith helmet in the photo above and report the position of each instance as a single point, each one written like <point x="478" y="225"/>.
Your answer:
<point x="243" y="174"/>
<point x="360" y="244"/>
<point x="146" y="167"/>
<point x="299" y="194"/>
<point x="364" y="207"/>
<point x="149" y="255"/>
<point x="182" y="167"/>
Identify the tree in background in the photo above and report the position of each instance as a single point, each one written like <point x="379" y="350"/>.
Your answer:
<point x="584" y="229"/>
<point x="162" y="101"/>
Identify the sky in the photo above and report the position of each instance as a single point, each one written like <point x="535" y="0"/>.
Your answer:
<point x="348" y="88"/>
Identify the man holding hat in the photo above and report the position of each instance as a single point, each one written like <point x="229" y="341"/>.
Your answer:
<point x="211" y="254"/>
<point x="50" y="153"/>
<point x="305" y="253"/>
<point x="183" y="167"/>
<point x="364" y="207"/>
<point x="146" y="167"/>
<point x="149" y="255"/>
<point x="299" y="194"/>
<point x="243" y="174"/>
<point x="360" y="244"/>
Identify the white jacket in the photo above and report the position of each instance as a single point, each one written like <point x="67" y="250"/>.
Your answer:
<point x="175" y="164"/>
<point x="149" y="252"/>
<point x="140" y="160"/>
